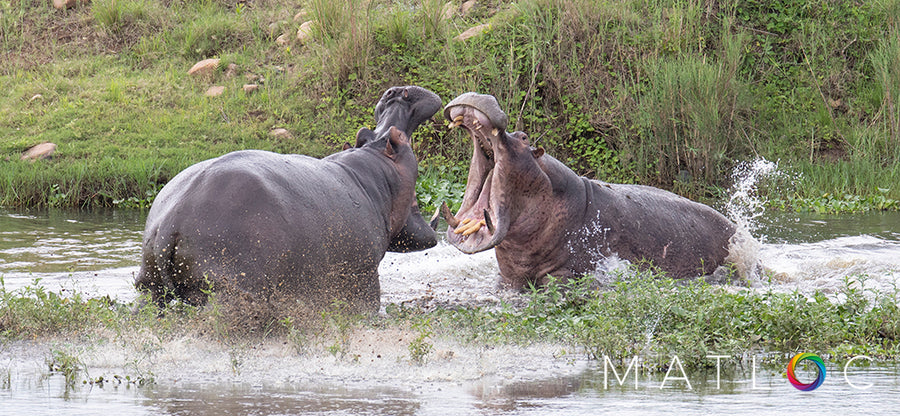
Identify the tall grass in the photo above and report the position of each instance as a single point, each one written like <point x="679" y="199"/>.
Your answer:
<point x="886" y="62"/>
<point x="692" y="115"/>
<point x="344" y="28"/>
<point x="663" y="92"/>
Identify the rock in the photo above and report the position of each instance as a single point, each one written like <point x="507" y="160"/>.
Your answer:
<point x="281" y="134"/>
<point x="68" y="4"/>
<point x="36" y="97"/>
<point x="250" y="88"/>
<point x="448" y="11"/>
<point x="205" y="67"/>
<point x="215" y="91"/>
<point x="304" y="33"/>
<point x="231" y="70"/>
<point x="473" y="31"/>
<point x="301" y="15"/>
<point x="39" y="151"/>
<point x="467" y="7"/>
<point x="282" y="40"/>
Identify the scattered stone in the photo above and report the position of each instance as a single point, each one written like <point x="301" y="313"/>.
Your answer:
<point x="36" y="97"/>
<point x="281" y="134"/>
<point x="282" y="40"/>
<point x="250" y="88"/>
<point x="231" y="70"/>
<point x="204" y="67"/>
<point x="39" y="151"/>
<point x="467" y="7"/>
<point x="448" y="11"/>
<point x="215" y="91"/>
<point x="68" y="4"/>
<point x="301" y="15"/>
<point x="472" y="32"/>
<point x="305" y="31"/>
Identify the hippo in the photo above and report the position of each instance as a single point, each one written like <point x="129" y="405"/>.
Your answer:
<point x="544" y="220"/>
<point x="282" y="226"/>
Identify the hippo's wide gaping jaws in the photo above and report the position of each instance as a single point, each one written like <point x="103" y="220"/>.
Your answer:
<point x="543" y="219"/>
<point x="267" y="224"/>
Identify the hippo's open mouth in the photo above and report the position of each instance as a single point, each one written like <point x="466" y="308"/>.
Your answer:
<point x="481" y="222"/>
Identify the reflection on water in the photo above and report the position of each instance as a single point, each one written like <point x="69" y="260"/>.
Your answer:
<point x="858" y="390"/>
<point x="69" y="241"/>
<point x="97" y="253"/>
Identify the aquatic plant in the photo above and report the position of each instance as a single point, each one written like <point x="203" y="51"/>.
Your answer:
<point x="649" y="315"/>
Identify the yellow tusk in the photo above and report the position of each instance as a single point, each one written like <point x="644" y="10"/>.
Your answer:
<point x="464" y="226"/>
<point x="495" y="132"/>
<point x="474" y="229"/>
<point x="458" y="118"/>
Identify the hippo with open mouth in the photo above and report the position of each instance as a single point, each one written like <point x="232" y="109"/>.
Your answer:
<point x="265" y="224"/>
<point x="544" y="220"/>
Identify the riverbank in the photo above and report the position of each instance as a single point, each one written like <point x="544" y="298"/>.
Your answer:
<point x="669" y="94"/>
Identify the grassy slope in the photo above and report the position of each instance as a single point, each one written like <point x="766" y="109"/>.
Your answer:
<point x="638" y="91"/>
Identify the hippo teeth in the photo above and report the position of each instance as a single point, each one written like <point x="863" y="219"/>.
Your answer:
<point x="474" y="228"/>
<point x="488" y="222"/>
<point x="448" y="216"/>
<point x="469" y="227"/>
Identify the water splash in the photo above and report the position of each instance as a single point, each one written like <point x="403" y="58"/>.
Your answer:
<point x="745" y="204"/>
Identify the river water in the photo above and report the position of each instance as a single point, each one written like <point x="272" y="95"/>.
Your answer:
<point x="98" y="253"/>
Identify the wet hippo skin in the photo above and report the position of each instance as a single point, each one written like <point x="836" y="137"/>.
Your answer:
<point x="265" y="224"/>
<point x="542" y="219"/>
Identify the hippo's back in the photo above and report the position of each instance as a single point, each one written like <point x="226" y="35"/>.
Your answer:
<point x="259" y="221"/>
<point x="683" y="237"/>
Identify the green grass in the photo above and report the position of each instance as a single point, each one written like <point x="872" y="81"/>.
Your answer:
<point x="671" y="94"/>
<point x="637" y="314"/>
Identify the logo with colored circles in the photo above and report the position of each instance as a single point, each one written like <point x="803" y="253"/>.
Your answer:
<point x="820" y="373"/>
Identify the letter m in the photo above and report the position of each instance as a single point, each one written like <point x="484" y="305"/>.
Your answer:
<point x="607" y="364"/>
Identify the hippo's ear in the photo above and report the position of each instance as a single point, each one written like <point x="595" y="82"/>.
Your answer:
<point x="346" y="146"/>
<point x="537" y="152"/>
<point x="364" y="136"/>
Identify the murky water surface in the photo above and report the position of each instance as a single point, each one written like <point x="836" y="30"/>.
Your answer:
<point x="98" y="253"/>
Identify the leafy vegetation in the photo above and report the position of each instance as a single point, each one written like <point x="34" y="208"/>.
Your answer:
<point x="661" y="92"/>
<point x="638" y="314"/>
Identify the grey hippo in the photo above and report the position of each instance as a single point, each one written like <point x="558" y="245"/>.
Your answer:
<point x="543" y="219"/>
<point x="263" y="224"/>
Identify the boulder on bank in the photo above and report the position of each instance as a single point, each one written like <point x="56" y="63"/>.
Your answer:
<point x="280" y="133"/>
<point x="215" y="91"/>
<point x="205" y="67"/>
<point x="39" y="151"/>
<point x="305" y="31"/>
<point x="472" y="32"/>
<point x="68" y="4"/>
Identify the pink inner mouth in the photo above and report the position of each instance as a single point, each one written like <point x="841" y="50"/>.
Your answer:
<point x="475" y="226"/>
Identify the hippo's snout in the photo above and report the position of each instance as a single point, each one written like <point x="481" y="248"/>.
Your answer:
<point x="484" y="103"/>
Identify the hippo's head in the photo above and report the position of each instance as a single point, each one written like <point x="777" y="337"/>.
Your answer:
<point x="404" y="108"/>
<point x="505" y="178"/>
<point x="397" y="114"/>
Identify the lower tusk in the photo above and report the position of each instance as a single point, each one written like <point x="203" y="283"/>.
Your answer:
<point x="448" y="216"/>
<point x="495" y="132"/>
<point x="466" y="225"/>
<point x="488" y="222"/>
<point x="473" y="229"/>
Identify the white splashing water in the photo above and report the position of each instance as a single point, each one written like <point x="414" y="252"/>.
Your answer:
<point x="745" y="205"/>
